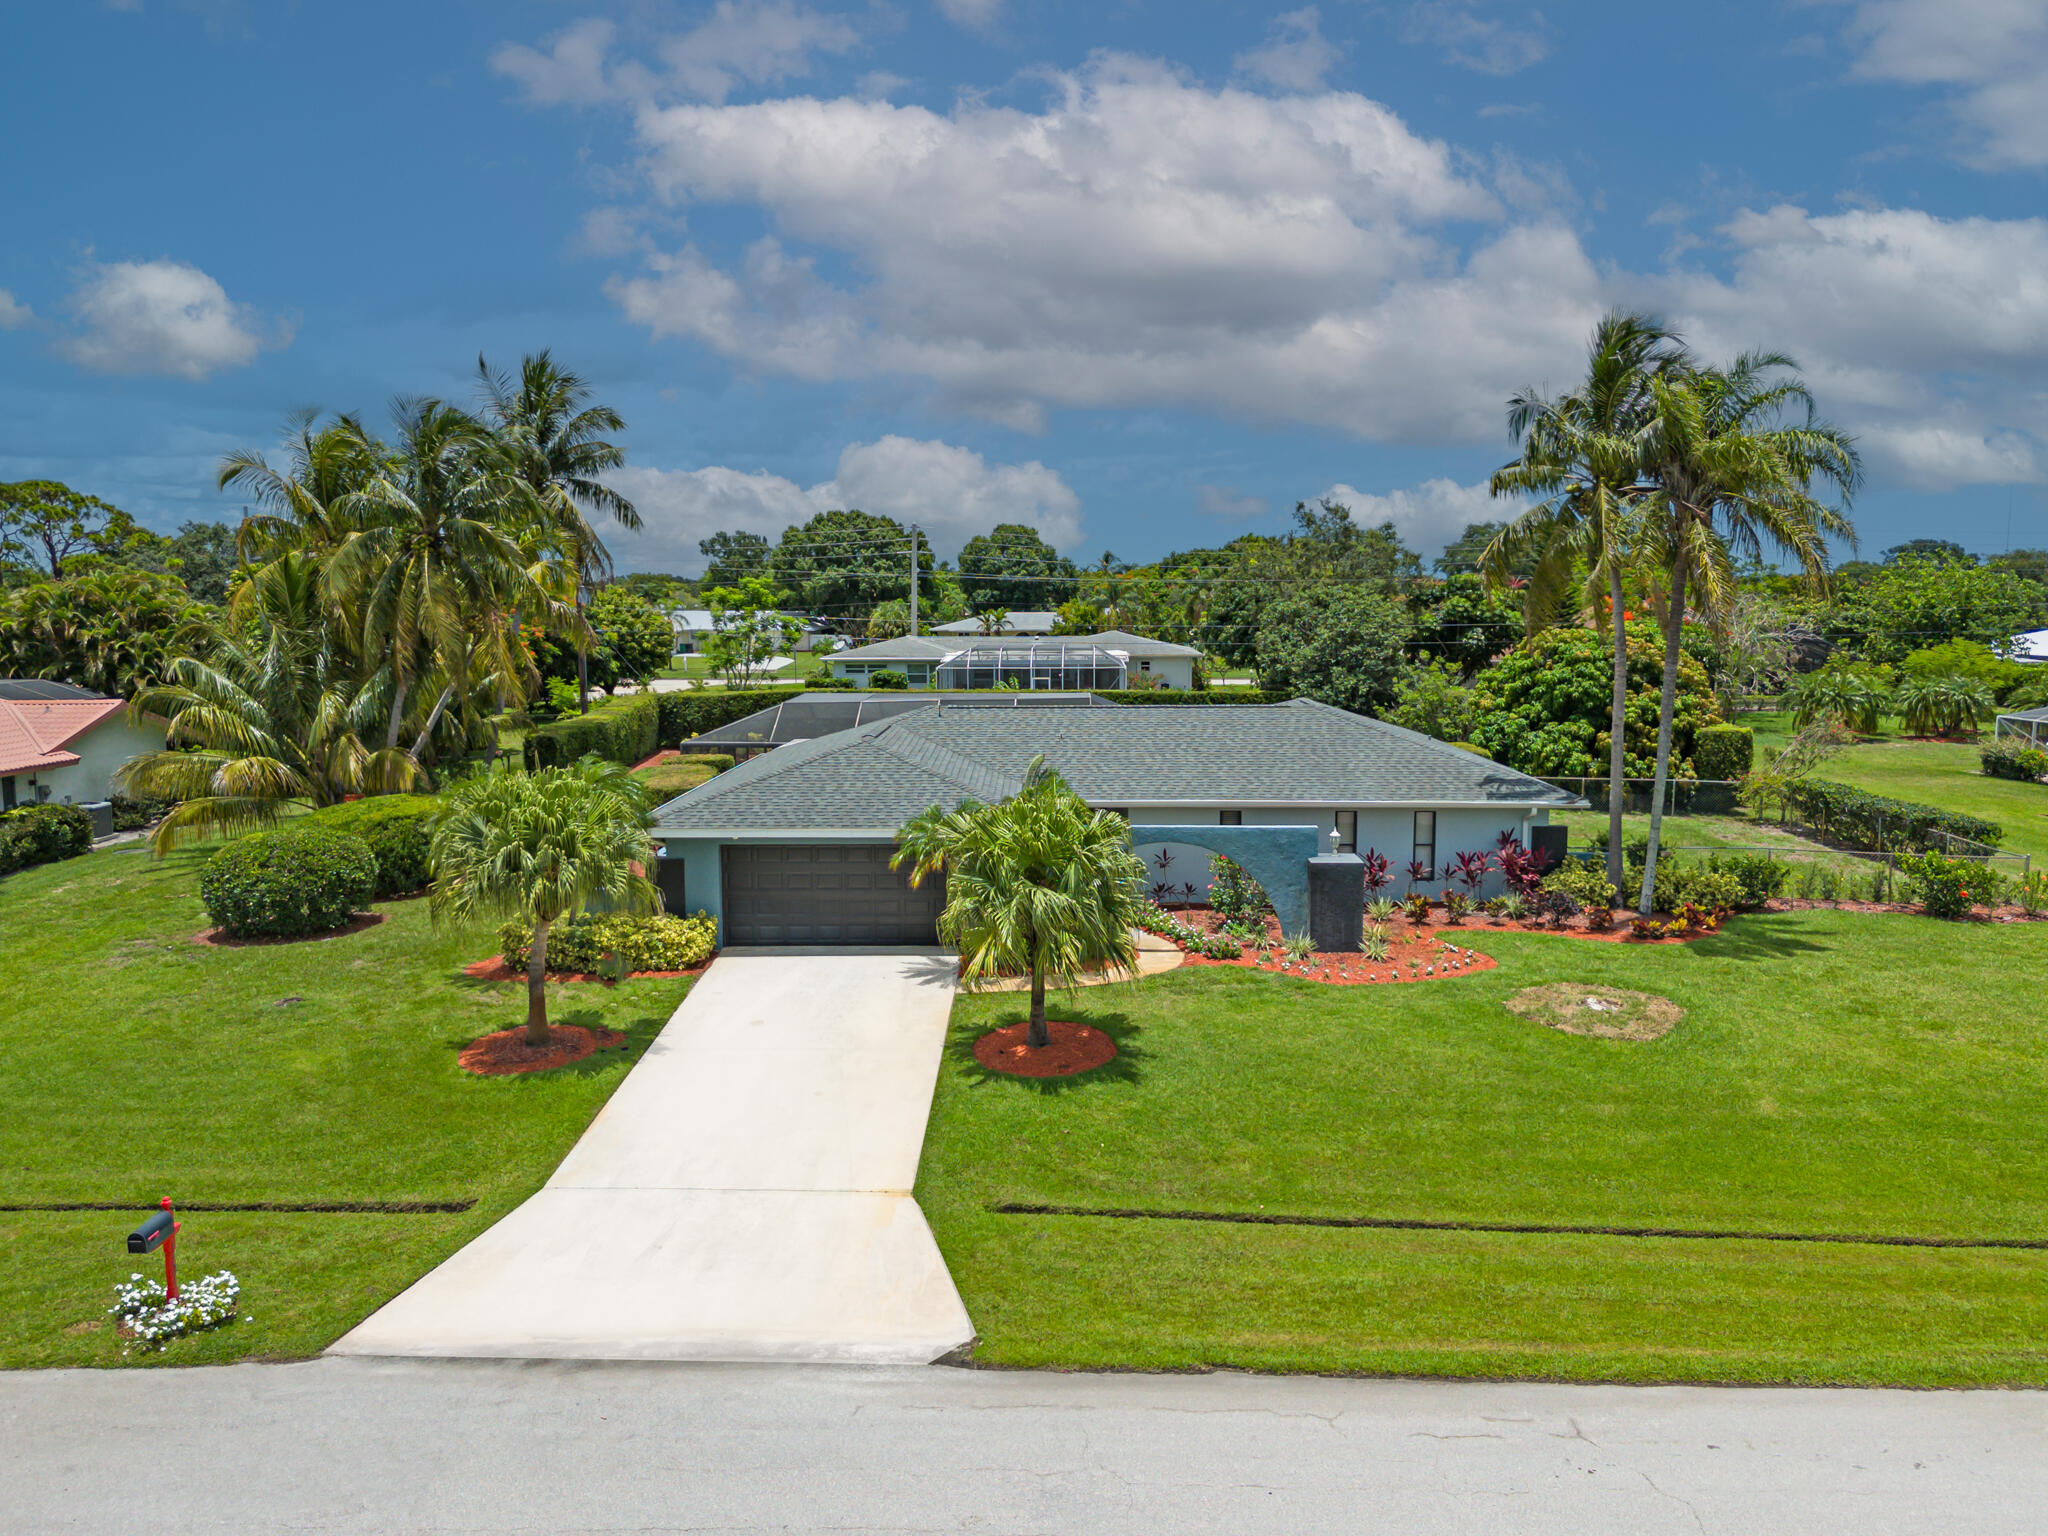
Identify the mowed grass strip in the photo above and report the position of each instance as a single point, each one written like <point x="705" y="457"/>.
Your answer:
<point x="1835" y="1073"/>
<point x="136" y="1064"/>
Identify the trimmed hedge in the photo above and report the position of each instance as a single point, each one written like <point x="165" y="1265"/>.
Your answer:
<point x="293" y="881"/>
<point x="2011" y="758"/>
<point x="685" y="715"/>
<point x="1211" y="695"/>
<point x="1877" y="821"/>
<point x="396" y="829"/>
<point x="628" y="733"/>
<point x="42" y="834"/>
<point x="1723" y="751"/>
<point x="649" y="943"/>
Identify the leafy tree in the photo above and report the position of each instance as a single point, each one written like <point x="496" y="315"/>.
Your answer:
<point x="1039" y="884"/>
<point x="265" y="720"/>
<point x="1929" y="549"/>
<point x="46" y="522"/>
<point x="746" y="628"/>
<point x="1466" y="554"/>
<point x="109" y="629"/>
<point x="890" y="620"/>
<point x="1916" y="602"/>
<point x="844" y="563"/>
<point x="202" y="556"/>
<point x="1327" y="545"/>
<point x="1080" y="617"/>
<point x="733" y="558"/>
<point x="540" y="848"/>
<point x="1338" y="645"/>
<point x="1460" y="621"/>
<point x="2032" y="564"/>
<point x="1968" y="659"/>
<point x="637" y="638"/>
<point x="1012" y="567"/>
<point x="1432" y="701"/>
<point x="1546" y="707"/>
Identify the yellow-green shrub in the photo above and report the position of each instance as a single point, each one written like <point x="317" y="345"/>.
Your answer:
<point x="642" y="943"/>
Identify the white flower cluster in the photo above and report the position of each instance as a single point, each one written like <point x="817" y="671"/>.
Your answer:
<point x="151" y="1319"/>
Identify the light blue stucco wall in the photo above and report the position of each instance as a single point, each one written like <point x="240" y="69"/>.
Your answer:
<point x="703" y="885"/>
<point x="1275" y="856"/>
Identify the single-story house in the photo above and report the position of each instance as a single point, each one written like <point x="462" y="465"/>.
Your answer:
<point x="793" y="846"/>
<point x="62" y="743"/>
<point x="2031" y="646"/>
<point x="1110" y="659"/>
<point x="820" y="714"/>
<point x="1030" y="621"/>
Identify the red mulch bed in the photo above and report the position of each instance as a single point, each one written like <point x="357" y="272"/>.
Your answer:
<point x="495" y="969"/>
<point x="507" y="1052"/>
<point x="213" y="938"/>
<point x="1071" y="1048"/>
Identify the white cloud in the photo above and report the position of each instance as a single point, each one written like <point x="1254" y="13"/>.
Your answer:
<point x="1427" y="517"/>
<point x="13" y="313"/>
<point x="1141" y="240"/>
<point x="1484" y="43"/>
<point x="1224" y="502"/>
<point x="1992" y="54"/>
<point x="1296" y="56"/>
<point x="740" y="42"/>
<point x="1927" y="336"/>
<point x="951" y="493"/>
<point x="160" y="317"/>
<point x="975" y="15"/>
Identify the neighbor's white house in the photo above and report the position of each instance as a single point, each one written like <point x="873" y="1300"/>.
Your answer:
<point x="1112" y="658"/>
<point x="62" y="744"/>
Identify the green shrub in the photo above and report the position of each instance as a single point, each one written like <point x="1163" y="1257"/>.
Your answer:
<point x="134" y="815"/>
<point x="888" y="682"/>
<point x="1585" y="883"/>
<point x="640" y="943"/>
<point x="1724" y="751"/>
<point x="626" y="733"/>
<point x="42" y="834"/>
<point x="1232" y="892"/>
<point x="1947" y="887"/>
<point x="1707" y="888"/>
<point x="296" y="880"/>
<point x="1758" y="876"/>
<point x="1864" y="820"/>
<point x="2010" y="758"/>
<point x="397" y="828"/>
<point x="2031" y="892"/>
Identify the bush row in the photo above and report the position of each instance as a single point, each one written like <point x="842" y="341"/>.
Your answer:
<point x="687" y="715"/>
<point x="588" y="943"/>
<point x="1724" y="752"/>
<point x="296" y="880"/>
<point x="626" y="733"/>
<point x="1877" y="821"/>
<point x="2011" y="758"/>
<point x="42" y="834"/>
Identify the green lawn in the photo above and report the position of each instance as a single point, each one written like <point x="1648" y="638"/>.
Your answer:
<point x="1835" y="1073"/>
<point x="135" y="1064"/>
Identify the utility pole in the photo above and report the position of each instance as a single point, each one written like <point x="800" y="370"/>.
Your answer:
<point x="913" y="578"/>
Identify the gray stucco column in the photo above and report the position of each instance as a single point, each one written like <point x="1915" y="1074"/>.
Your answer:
<point x="1336" y="902"/>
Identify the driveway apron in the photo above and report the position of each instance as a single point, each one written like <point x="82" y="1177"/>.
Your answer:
<point x="745" y="1195"/>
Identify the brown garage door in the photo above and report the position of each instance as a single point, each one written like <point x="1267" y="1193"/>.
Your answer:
<point x="826" y="893"/>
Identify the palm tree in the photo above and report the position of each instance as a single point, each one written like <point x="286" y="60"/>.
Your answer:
<point x="267" y="718"/>
<point x="1037" y="883"/>
<point x="1731" y="477"/>
<point x="540" y="848"/>
<point x="297" y="502"/>
<point x="555" y="437"/>
<point x="1582" y="455"/>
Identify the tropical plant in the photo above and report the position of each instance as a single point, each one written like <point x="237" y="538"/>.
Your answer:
<point x="747" y="629"/>
<point x="1375" y="874"/>
<point x="540" y="848"/>
<point x="108" y="629"/>
<point x="1943" y="704"/>
<point x="1038" y="883"/>
<point x="1582" y="455"/>
<point x="1381" y="909"/>
<point x="1732" y="477"/>
<point x="1853" y="695"/>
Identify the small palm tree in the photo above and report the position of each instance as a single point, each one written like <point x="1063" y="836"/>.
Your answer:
<point x="540" y="847"/>
<point x="1945" y="704"/>
<point x="1037" y="883"/>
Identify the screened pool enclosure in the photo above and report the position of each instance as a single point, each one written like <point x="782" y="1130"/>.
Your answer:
<point x="1034" y="664"/>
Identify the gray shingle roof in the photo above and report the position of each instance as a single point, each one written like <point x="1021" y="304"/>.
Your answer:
<point x="1302" y="753"/>
<point x="902" y="648"/>
<point x="1136" y="645"/>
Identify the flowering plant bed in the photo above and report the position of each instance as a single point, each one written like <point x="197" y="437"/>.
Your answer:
<point x="149" y="1319"/>
<point x="1411" y="955"/>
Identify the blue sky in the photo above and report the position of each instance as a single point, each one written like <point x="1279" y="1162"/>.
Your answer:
<point x="1142" y="274"/>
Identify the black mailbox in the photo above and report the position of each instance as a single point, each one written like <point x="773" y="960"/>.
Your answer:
<point x="153" y="1233"/>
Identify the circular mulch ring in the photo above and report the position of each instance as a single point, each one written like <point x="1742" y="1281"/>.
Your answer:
<point x="1607" y="1013"/>
<point x="507" y="1051"/>
<point x="213" y="938"/>
<point x="497" y="968"/>
<point x="1072" y="1048"/>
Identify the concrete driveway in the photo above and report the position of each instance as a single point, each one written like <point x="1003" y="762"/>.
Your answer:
<point x="745" y="1195"/>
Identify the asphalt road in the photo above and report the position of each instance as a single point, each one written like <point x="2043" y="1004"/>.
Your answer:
<point x="473" y="1446"/>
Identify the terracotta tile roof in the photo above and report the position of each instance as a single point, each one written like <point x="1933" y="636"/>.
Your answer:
<point x="34" y="733"/>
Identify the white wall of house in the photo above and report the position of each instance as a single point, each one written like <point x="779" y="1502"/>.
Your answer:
<point x="1174" y="671"/>
<point x="100" y="751"/>
<point x="919" y="672"/>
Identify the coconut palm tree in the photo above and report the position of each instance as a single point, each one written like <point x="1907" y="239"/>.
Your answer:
<point x="1732" y="477"/>
<point x="268" y="717"/>
<point x="296" y="501"/>
<point x="1037" y="883"/>
<point x="555" y="436"/>
<point x="540" y="848"/>
<point x="1582" y="456"/>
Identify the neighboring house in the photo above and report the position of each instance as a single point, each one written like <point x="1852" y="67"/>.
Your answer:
<point x="794" y="845"/>
<point x="1028" y="622"/>
<point x="694" y="626"/>
<point x="1111" y="659"/>
<point x="63" y="744"/>
<point x="820" y="714"/>
<point x="2031" y="646"/>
